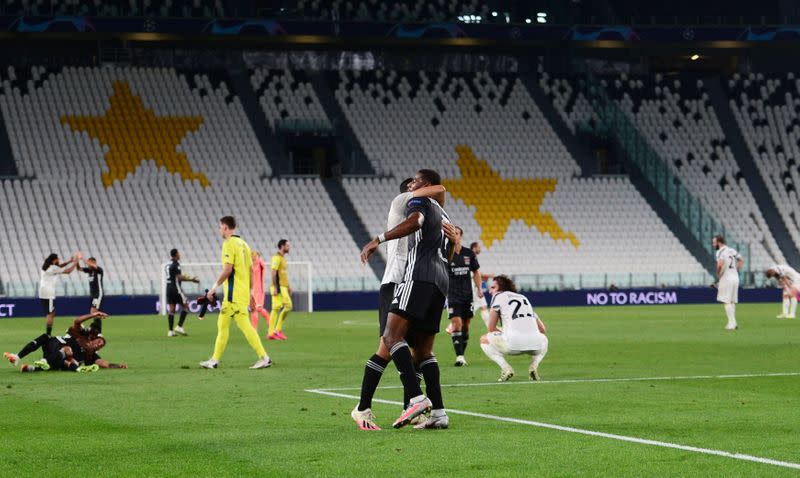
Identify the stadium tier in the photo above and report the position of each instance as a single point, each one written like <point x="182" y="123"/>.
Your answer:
<point x="81" y="138"/>
<point x="395" y="11"/>
<point x="288" y="96"/>
<point x="114" y="8"/>
<point x="766" y="110"/>
<point x="677" y="119"/>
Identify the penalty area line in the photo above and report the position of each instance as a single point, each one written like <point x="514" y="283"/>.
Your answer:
<point x="581" y="431"/>
<point x="586" y="380"/>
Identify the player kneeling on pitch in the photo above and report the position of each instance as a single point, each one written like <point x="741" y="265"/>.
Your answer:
<point x="522" y="333"/>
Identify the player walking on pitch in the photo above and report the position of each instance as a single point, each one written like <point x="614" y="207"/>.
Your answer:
<point x="523" y="332"/>
<point x="729" y="261"/>
<point x="175" y="294"/>
<point x="789" y="280"/>
<point x="280" y="291"/>
<point x="257" y="303"/>
<point x="235" y="279"/>
<point x="465" y="277"/>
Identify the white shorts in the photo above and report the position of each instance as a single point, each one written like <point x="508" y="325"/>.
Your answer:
<point x="728" y="290"/>
<point x="498" y="341"/>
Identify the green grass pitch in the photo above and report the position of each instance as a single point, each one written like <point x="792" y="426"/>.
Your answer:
<point x="167" y="417"/>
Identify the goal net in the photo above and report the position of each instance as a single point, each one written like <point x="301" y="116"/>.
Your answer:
<point x="300" y="279"/>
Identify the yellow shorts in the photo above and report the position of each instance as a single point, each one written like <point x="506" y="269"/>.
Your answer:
<point x="230" y="310"/>
<point x="284" y="299"/>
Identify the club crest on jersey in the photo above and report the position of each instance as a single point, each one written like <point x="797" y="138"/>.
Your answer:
<point x="466" y="260"/>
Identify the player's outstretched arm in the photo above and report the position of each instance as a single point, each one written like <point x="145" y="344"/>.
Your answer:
<point x="494" y="318"/>
<point x="412" y="224"/>
<point x="436" y="192"/>
<point x="83" y="318"/>
<point x="106" y="364"/>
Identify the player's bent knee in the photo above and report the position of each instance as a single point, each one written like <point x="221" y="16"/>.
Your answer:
<point x="484" y="339"/>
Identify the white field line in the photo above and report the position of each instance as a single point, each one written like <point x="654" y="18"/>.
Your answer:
<point x="587" y="380"/>
<point x="641" y="441"/>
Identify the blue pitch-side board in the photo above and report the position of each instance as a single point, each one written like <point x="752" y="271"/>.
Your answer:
<point x="328" y="301"/>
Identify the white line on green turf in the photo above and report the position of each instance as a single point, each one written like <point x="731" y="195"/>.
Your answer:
<point x="642" y="441"/>
<point x="589" y="380"/>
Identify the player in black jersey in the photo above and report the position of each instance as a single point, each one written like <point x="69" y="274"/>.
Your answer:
<point x="175" y="294"/>
<point x="416" y="311"/>
<point x="95" y="274"/>
<point x="464" y="273"/>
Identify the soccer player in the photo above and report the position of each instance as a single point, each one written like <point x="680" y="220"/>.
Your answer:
<point x="396" y="253"/>
<point x="175" y="294"/>
<point x="728" y="264"/>
<point x="416" y="309"/>
<point x="280" y="291"/>
<point x="465" y="277"/>
<point x="95" y="273"/>
<point x="789" y="280"/>
<point x="257" y="303"/>
<point x="51" y="270"/>
<point x="523" y="332"/>
<point x="480" y="299"/>
<point x="235" y="277"/>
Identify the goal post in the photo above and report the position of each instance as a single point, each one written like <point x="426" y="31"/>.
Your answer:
<point x="300" y="278"/>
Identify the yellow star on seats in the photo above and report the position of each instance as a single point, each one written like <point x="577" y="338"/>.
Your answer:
<point x="134" y="134"/>
<point x="499" y="201"/>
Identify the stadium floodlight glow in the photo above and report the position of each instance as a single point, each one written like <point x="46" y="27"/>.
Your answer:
<point x="541" y="17"/>
<point x="694" y="57"/>
<point x="494" y="14"/>
<point x="527" y="20"/>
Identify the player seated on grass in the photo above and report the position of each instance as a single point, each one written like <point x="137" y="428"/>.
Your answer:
<point x="522" y="333"/>
<point x="75" y="351"/>
<point x="788" y="279"/>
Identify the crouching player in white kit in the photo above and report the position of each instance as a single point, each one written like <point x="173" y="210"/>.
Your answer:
<point x="788" y="279"/>
<point x="522" y="333"/>
<point x="728" y="264"/>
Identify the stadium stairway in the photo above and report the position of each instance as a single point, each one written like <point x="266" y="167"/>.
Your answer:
<point x="273" y="151"/>
<point x="719" y="101"/>
<point x="672" y="221"/>
<point x="578" y="150"/>
<point x="341" y="201"/>
<point x="8" y="167"/>
<point x="344" y="131"/>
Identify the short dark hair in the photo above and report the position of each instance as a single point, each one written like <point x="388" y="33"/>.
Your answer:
<point x="460" y="231"/>
<point x="229" y="221"/>
<point x="49" y="261"/>
<point x="504" y="283"/>
<point x="91" y="259"/>
<point x="173" y="253"/>
<point x="282" y="242"/>
<point x="720" y="239"/>
<point x="430" y="176"/>
<point x="404" y="185"/>
<point x="473" y="245"/>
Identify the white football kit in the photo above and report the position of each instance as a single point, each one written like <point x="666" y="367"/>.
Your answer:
<point x="520" y="332"/>
<point x="47" y="282"/>
<point x="728" y="287"/>
<point x="397" y="249"/>
<point x="791" y="276"/>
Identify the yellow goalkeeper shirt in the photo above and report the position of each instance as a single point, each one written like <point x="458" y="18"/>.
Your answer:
<point x="237" y="253"/>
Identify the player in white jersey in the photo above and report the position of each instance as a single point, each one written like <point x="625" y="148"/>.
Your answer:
<point x="396" y="258"/>
<point x="522" y="333"/>
<point x="51" y="270"/>
<point x="789" y="280"/>
<point x="729" y="261"/>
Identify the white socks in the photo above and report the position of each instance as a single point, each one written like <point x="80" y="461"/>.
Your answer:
<point x="730" y="311"/>
<point x="792" y="306"/>
<point x="786" y="306"/>
<point x="495" y="356"/>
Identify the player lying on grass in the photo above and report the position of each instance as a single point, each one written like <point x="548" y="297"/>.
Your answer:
<point x="523" y="332"/>
<point x="788" y="279"/>
<point x="74" y="351"/>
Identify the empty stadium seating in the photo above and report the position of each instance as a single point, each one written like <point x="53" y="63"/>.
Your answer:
<point x="92" y="193"/>
<point x="287" y="95"/>
<point x="396" y="11"/>
<point x="767" y="111"/>
<point x="406" y="119"/>
<point x="114" y="8"/>
<point x="678" y="121"/>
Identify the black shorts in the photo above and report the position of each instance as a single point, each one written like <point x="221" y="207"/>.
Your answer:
<point x="175" y="296"/>
<point x="460" y="309"/>
<point x="422" y="305"/>
<point x="48" y="305"/>
<point x="97" y="302"/>
<point x="386" y="297"/>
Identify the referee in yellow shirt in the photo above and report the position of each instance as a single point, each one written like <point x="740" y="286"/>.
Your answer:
<point x="280" y="290"/>
<point x="235" y="279"/>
